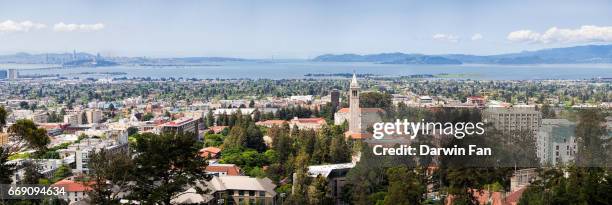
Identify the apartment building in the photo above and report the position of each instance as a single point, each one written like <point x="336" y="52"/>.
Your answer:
<point x="181" y="126"/>
<point x="93" y="116"/>
<point x="556" y="142"/>
<point x="512" y="119"/>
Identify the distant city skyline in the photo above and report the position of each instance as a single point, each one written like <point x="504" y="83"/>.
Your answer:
<point x="299" y="29"/>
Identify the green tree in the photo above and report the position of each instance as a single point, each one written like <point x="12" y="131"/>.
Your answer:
<point x="6" y="170"/>
<point x="62" y="172"/>
<point x="213" y="140"/>
<point x="321" y="151"/>
<point x="132" y="131"/>
<point x="237" y="138"/>
<point x="31" y="173"/>
<point x="210" y="119"/>
<point x="547" y="112"/>
<point x="376" y="100"/>
<point x="111" y="174"/>
<point x="590" y="129"/>
<point x="282" y="143"/>
<point x="318" y="191"/>
<point x="256" y="115"/>
<point x="166" y="165"/>
<point x="251" y="104"/>
<point x="339" y="151"/>
<point x="254" y="138"/>
<point x="148" y="116"/>
<point x="3" y="115"/>
<point x="404" y="187"/>
<point x="27" y="131"/>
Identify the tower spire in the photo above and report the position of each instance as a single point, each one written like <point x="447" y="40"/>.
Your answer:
<point x="354" y="83"/>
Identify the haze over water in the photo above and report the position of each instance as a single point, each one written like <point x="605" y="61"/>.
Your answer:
<point x="297" y="70"/>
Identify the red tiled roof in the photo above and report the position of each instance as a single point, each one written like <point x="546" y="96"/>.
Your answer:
<point x="271" y="122"/>
<point x="73" y="186"/>
<point x="514" y="197"/>
<point x="310" y="120"/>
<point x="217" y="129"/>
<point x="209" y="152"/>
<point x="231" y="170"/>
<point x="357" y="135"/>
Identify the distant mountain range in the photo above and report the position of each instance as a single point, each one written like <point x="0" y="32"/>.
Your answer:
<point x="569" y="55"/>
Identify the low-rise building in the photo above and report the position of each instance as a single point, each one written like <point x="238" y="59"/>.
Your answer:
<point x="242" y="190"/>
<point x="307" y="123"/>
<point x="75" y="190"/>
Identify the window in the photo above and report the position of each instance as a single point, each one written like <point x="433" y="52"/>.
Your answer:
<point x="241" y="193"/>
<point x="262" y="193"/>
<point x="251" y="193"/>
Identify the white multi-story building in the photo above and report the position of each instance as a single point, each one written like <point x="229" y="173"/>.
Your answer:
<point x="114" y="141"/>
<point x="556" y="142"/>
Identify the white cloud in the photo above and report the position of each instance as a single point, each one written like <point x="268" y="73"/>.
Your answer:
<point x="446" y="37"/>
<point x="24" y="26"/>
<point x="62" y="27"/>
<point x="584" y="34"/>
<point x="477" y="36"/>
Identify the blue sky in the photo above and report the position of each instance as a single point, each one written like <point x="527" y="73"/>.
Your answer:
<point x="299" y="29"/>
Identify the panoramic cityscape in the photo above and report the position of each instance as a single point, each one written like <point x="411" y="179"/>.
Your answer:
<point x="341" y="102"/>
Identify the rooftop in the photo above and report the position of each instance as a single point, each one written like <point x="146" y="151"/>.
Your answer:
<point x="230" y="169"/>
<point x="72" y="186"/>
<point x="242" y="183"/>
<point x="326" y="169"/>
<point x="178" y="122"/>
